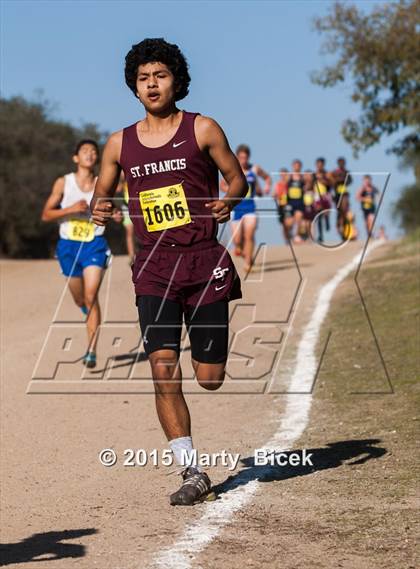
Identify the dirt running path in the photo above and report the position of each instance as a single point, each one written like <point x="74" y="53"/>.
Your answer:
<point x="57" y="501"/>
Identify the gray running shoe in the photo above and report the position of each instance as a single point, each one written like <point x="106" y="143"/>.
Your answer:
<point x="196" y="487"/>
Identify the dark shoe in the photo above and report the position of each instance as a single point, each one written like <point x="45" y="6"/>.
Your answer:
<point x="196" y="487"/>
<point x="90" y="360"/>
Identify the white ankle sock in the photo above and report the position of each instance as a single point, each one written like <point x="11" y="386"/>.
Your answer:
<point x="182" y="447"/>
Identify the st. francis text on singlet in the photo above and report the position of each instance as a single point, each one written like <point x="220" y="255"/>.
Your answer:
<point x="159" y="167"/>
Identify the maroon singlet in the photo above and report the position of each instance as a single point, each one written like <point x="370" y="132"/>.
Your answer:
<point x="180" y="258"/>
<point x="178" y="180"/>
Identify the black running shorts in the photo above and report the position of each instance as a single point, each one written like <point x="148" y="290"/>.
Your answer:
<point x="207" y="326"/>
<point x="369" y="211"/>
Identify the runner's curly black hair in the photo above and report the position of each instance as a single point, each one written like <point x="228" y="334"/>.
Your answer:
<point x="157" y="49"/>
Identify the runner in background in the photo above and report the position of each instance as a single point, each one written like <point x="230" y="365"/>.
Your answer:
<point x="382" y="233"/>
<point x="323" y="190"/>
<point x="244" y="222"/>
<point x="350" y="232"/>
<point x="295" y="188"/>
<point x="122" y="193"/>
<point x="366" y="195"/>
<point x="340" y="180"/>
<point x="311" y="203"/>
<point x="280" y="196"/>
<point x="82" y="250"/>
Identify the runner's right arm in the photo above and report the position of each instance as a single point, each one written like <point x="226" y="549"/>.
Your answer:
<point x="52" y="212"/>
<point x="102" y="205"/>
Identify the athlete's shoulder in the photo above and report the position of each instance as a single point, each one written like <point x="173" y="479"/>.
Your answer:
<point x="59" y="184"/>
<point x="61" y="180"/>
<point x="208" y="132"/>
<point x="113" y="146"/>
<point x="116" y="137"/>
<point x="206" y="123"/>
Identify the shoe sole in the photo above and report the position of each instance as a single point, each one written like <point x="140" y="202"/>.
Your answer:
<point x="209" y="497"/>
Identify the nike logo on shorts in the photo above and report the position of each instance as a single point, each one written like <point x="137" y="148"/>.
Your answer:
<point x="175" y="144"/>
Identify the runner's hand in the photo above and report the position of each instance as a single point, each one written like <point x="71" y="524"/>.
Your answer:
<point x="220" y="210"/>
<point x="79" y="207"/>
<point x="102" y="212"/>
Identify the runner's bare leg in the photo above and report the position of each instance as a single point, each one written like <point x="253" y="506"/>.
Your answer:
<point x="77" y="290"/>
<point x="92" y="277"/>
<point x="171" y="406"/>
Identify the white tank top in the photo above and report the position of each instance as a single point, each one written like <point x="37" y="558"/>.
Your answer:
<point x="77" y="228"/>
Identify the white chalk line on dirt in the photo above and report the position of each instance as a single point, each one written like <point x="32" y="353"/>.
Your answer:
<point x="199" y="534"/>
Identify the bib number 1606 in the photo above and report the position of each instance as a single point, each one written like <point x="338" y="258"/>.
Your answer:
<point x="168" y="212"/>
<point x="164" y="208"/>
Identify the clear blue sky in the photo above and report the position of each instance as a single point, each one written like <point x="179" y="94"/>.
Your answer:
<point x="250" y="64"/>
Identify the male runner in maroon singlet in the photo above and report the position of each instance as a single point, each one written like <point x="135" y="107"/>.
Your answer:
<point x="171" y="160"/>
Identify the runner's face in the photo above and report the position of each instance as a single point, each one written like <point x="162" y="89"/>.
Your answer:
<point x="319" y="165"/>
<point x="243" y="159"/>
<point x="155" y="86"/>
<point x="297" y="166"/>
<point x="87" y="156"/>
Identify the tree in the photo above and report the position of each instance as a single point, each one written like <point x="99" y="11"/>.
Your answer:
<point x="379" y="53"/>
<point x="35" y="150"/>
<point x="406" y="208"/>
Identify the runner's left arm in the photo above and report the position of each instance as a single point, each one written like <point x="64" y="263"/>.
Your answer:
<point x="266" y="177"/>
<point x="102" y="206"/>
<point x="258" y="189"/>
<point x="212" y="139"/>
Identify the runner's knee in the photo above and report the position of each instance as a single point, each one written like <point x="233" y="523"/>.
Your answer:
<point x="90" y="297"/>
<point x="210" y="376"/>
<point x="165" y="374"/>
<point x="79" y="301"/>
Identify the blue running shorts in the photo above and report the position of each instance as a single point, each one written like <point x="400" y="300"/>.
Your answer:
<point x="74" y="256"/>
